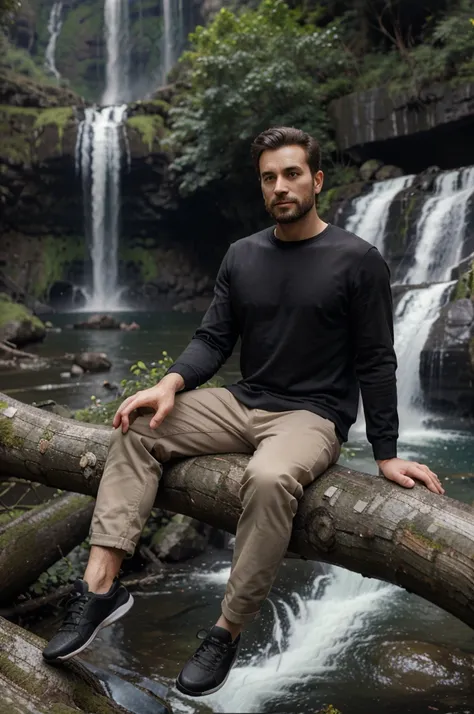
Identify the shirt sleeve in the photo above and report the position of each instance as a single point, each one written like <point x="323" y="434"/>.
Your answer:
<point x="213" y="342"/>
<point x="376" y="362"/>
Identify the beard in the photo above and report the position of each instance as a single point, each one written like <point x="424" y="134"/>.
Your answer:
<point x="293" y="213"/>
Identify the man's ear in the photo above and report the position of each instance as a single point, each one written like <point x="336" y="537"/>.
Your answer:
<point x="318" y="180"/>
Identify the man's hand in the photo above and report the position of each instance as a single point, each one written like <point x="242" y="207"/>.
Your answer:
<point x="403" y="472"/>
<point x="160" y="398"/>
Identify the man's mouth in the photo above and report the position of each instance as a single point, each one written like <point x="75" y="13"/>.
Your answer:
<point x="283" y="203"/>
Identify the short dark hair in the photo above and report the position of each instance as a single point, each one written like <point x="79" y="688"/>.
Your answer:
<point x="278" y="136"/>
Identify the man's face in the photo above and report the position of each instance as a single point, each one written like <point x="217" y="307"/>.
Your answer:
<point x="288" y="186"/>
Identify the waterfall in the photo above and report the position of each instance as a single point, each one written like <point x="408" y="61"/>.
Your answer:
<point x="310" y="637"/>
<point x="117" y="36"/>
<point x="416" y="311"/>
<point x="54" y="28"/>
<point x="174" y="36"/>
<point x="440" y="236"/>
<point x="100" y="158"/>
<point x="442" y="228"/>
<point x="370" y="215"/>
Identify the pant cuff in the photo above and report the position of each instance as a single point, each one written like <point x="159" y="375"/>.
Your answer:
<point x="108" y="541"/>
<point x="236" y="618"/>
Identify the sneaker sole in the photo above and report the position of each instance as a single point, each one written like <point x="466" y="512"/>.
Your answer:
<point x="189" y="693"/>
<point x="113" y="617"/>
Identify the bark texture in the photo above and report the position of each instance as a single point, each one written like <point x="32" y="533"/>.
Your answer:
<point x="33" y="542"/>
<point x="412" y="538"/>
<point x="29" y="686"/>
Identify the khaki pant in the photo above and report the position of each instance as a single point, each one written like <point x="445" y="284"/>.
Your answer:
<point x="290" y="449"/>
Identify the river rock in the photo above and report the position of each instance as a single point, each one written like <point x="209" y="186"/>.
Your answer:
<point x="388" y="172"/>
<point x="182" y="538"/>
<point x="369" y="168"/>
<point x="76" y="370"/>
<point x="17" y="324"/>
<point x="129" y="327"/>
<point x="411" y="666"/>
<point x="98" y="322"/>
<point x="93" y="361"/>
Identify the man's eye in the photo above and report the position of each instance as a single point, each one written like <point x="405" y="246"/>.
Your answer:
<point x="293" y="173"/>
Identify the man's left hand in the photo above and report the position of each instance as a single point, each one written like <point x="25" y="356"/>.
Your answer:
<point x="404" y="472"/>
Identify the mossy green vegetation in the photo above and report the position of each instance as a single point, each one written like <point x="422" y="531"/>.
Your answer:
<point x="56" y="116"/>
<point x="12" y="312"/>
<point x="145" y="258"/>
<point x="464" y="287"/>
<point x="57" y="254"/>
<point x="428" y="542"/>
<point x="150" y="128"/>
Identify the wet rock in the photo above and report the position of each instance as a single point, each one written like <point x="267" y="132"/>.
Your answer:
<point x="98" y="322"/>
<point x="180" y="539"/>
<point x="93" y="361"/>
<point x="411" y="666"/>
<point x="369" y="169"/>
<point x="49" y="405"/>
<point x="76" y="370"/>
<point x="17" y="324"/>
<point x="129" y="327"/>
<point x="197" y="304"/>
<point x="388" y="172"/>
<point x="447" y="360"/>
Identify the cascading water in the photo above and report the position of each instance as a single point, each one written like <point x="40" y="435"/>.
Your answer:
<point x="173" y="38"/>
<point x="100" y="164"/>
<point x="117" y="35"/>
<point x="415" y="313"/>
<point x="442" y="228"/>
<point x="441" y="233"/>
<point x="370" y="214"/>
<point x="308" y="640"/>
<point x="54" y="28"/>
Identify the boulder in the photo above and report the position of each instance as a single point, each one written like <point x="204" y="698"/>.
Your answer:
<point x="411" y="667"/>
<point x="447" y="360"/>
<point x="182" y="538"/>
<point x="76" y="371"/>
<point x="93" y="361"/>
<point x="17" y="324"/>
<point x="98" y="322"/>
<point x="369" y="168"/>
<point x="389" y="171"/>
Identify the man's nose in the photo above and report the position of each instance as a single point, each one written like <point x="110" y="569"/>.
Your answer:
<point x="281" y="185"/>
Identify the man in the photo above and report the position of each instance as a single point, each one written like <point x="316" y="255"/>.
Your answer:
<point x="312" y="305"/>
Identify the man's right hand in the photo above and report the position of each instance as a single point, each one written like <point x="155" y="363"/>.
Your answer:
<point x="160" y="398"/>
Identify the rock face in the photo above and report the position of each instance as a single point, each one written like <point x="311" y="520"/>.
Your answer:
<point x="93" y="361"/>
<point x="432" y="128"/>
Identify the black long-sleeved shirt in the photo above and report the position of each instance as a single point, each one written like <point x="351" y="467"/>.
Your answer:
<point x="315" y="321"/>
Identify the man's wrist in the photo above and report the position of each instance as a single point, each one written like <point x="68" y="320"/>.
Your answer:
<point x="174" y="380"/>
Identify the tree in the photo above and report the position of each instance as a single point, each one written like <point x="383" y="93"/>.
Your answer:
<point x="244" y="73"/>
<point x="413" y="538"/>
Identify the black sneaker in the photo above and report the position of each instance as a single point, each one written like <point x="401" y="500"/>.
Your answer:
<point x="210" y="665"/>
<point x="87" y="613"/>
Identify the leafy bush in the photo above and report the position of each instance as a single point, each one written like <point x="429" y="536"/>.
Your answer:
<point x="144" y="377"/>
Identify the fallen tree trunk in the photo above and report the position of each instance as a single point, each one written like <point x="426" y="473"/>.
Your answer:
<point x="34" y="541"/>
<point x="410" y="537"/>
<point x="29" y="686"/>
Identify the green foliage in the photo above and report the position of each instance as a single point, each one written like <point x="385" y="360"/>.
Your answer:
<point x="15" y="312"/>
<point x="464" y="288"/>
<point x="57" y="254"/>
<point x="146" y="259"/>
<point x="20" y="61"/>
<point x="244" y="73"/>
<point x="144" y="377"/>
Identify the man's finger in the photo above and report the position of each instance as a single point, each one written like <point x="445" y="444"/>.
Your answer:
<point x="416" y="471"/>
<point x="159" y="416"/>
<point x="118" y="413"/>
<point x="401" y="479"/>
